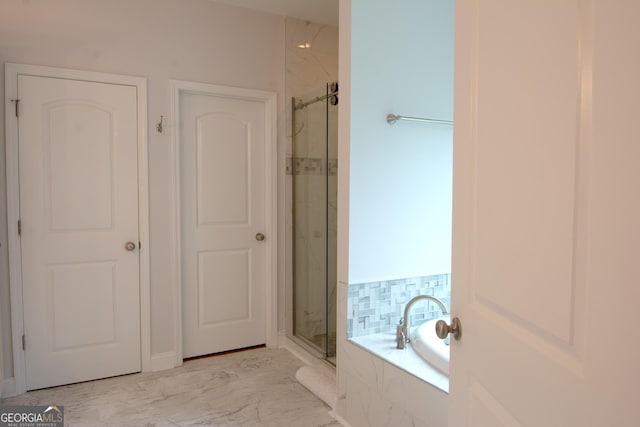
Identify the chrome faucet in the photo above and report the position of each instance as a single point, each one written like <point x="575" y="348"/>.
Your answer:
<point x="402" y="330"/>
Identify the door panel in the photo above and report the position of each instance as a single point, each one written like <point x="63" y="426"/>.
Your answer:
<point x="79" y="157"/>
<point x="92" y="322"/>
<point x="78" y="207"/>
<point x="224" y="287"/>
<point x="222" y="188"/>
<point x="216" y="179"/>
<point x="541" y="167"/>
<point x="540" y="187"/>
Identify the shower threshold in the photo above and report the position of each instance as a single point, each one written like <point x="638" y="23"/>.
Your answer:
<point x="314" y="350"/>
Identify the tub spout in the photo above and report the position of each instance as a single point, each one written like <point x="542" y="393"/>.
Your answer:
<point x="404" y="321"/>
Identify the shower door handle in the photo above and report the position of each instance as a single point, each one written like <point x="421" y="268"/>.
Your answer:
<point x="260" y="237"/>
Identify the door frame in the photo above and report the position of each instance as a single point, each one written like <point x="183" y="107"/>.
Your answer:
<point x="13" y="205"/>
<point x="269" y="99"/>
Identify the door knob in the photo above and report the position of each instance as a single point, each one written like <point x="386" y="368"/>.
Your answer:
<point x="129" y="246"/>
<point x="260" y="237"/>
<point x="443" y="330"/>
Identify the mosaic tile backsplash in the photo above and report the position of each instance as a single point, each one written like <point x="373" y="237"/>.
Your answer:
<point x="378" y="306"/>
<point x="311" y="166"/>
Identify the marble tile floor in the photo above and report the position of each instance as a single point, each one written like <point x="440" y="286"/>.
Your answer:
<point x="248" y="388"/>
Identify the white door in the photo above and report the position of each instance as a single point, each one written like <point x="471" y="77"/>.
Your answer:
<point x="222" y="188"/>
<point x="78" y="207"/>
<point x="546" y="273"/>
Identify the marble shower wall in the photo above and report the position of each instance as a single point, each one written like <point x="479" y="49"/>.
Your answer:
<point x="312" y="67"/>
<point x="307" y="72"/>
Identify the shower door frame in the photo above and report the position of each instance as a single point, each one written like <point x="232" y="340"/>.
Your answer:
<point x="304" y="342"/>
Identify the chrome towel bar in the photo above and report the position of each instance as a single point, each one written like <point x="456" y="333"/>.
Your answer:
<point x="392" y="118"/>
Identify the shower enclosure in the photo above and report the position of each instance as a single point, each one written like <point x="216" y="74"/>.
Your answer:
<point x="314" y="182"/>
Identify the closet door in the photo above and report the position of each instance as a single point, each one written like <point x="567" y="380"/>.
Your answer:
<point x="79" y="229"/>
<point x="223" y="222"/>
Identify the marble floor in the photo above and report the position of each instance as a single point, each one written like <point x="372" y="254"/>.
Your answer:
<point x="248" y="388"/>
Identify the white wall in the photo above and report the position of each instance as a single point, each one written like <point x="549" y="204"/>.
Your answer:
<point x="384" y="67"/>
<point x="195" y="40"/>
<point x="400" y="192"/>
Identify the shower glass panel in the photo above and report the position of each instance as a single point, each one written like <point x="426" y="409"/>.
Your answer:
<point x="315" y="152"/>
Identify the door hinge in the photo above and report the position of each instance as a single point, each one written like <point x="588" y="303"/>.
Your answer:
<point x="139" y="245"/>
<point x="24" y="341"/>
<point x="16" y="102"/>
<point x="19" y="228"/>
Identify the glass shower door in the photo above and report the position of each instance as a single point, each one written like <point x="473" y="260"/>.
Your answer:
<point x="314" y="219"/>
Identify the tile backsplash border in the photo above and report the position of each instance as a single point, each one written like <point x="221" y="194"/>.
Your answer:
<point x="376" y="307"/>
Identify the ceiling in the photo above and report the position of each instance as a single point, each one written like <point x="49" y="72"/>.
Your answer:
<point x="319" y="11"/>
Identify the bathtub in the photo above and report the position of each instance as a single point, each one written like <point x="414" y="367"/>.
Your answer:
<point x="429" y="347"/>
<point x="430" y="365"/>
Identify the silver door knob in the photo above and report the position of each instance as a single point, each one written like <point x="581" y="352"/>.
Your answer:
<point x="443" y="330"/>
<point x="260" y="237"/>
<point x="129" y="246"/>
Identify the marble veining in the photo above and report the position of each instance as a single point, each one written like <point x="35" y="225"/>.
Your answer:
<point x="249" y="388"/>
<point x="384" y="346"/>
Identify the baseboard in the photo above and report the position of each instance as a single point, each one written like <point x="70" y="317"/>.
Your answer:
<point x="162" y="361"/>
<point x="7" y="387"/>
<point x="159" y="362"/>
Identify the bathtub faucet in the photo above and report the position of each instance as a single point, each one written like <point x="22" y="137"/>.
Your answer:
<point x="402" y="331"/>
